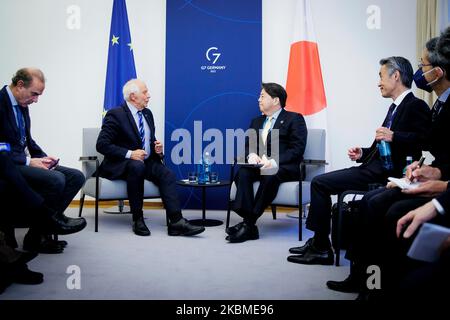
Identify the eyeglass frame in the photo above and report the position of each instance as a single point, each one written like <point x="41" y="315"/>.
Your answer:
<point x="421" y="65"/>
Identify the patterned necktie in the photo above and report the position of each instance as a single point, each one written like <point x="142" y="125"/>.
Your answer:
<point x="436" y="109"/>
<point x="390" y="116"/>
<point x="141" y="129"/>
<point x="20" y="125"/>
<point x="266" y="129"/>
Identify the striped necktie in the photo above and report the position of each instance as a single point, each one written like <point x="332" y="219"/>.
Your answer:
<point x="436" y="109"/>
<point x="141" y="129"/>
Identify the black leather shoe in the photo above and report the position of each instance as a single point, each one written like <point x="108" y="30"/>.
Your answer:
<point x="234" y="229"/>
<point x="140" y="228"/>
<point x="303" y="248"/>
<point x="61" y="243"/>
<point x="351" y="284"/>
<point x="40" y="244"/>
<point x="314" y="256"/>
<point x="183" y="228"/>
<point x="55" y="225"/>
<point x="246" y="232"/>
<point x="21" y="274"/>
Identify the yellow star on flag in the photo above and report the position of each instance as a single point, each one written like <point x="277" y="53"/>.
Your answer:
<point x="131" y="46"/>
<point x="115" y="40"/>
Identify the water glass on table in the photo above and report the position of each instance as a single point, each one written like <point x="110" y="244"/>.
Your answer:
<point x="193" y="177"/>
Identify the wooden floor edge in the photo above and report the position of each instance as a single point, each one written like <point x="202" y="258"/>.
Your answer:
<point x="147" y="205"/>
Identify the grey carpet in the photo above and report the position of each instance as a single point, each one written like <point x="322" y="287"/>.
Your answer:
<point x="116" y="264"/>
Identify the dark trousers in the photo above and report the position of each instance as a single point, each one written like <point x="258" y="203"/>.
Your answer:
<point x="58" y="186"/>
<point x="376" y="236"/>
<point x="159" y="174"/>
<point x="14" y="181"/>
<point x="251" y="206"/>
<point x="18" y="198"/>
<point x="332" y="183"/>
<point x="376" y="242"/>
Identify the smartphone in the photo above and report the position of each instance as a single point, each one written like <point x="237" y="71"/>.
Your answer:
<point x="53" y="165"/>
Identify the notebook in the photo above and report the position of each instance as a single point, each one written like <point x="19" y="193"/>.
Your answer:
<point x="402" y="183"/>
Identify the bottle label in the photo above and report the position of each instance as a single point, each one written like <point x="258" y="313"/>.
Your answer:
<point x="4" y="146"/>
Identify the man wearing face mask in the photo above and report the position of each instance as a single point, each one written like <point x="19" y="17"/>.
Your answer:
<point x="383" y="207"/>
<point x="405" y="128"/>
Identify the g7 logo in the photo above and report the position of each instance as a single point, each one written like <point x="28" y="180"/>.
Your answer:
<point x="215" y="55"/>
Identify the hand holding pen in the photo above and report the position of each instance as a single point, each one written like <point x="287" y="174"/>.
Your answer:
<point x="417" y="172"/>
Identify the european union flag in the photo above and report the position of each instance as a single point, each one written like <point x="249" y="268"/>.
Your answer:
<point x="120" y="56"/>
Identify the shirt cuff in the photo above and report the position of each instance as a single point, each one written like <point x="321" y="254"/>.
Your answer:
<point x="438" y="206"/>
<point x="128" y="155"/>
<point x="274" y="163"/>
<point x="28" y="160"/>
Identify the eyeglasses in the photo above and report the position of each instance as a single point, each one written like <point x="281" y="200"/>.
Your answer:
<point x="421" y="65"/>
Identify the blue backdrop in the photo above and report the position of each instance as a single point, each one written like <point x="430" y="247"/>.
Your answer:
<point x="213" y="75"/>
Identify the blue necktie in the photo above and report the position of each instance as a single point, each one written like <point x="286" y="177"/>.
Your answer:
<point x="141" y="129"/>
<point x="20" y="125"/>
<point x="390" y="116"/>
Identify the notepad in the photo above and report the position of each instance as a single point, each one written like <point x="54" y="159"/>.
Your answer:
<point x="402" y="183"/>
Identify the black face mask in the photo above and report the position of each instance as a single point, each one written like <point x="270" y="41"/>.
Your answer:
<point x="421" y="82"/>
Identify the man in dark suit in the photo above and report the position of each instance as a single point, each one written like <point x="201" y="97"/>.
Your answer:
<point x="132" y="153"/>
<point x="23" y="205"/>
<point x="382" y="208"/>
<point x="56" y="184"/>
<point x="404" y="128"/>
<point x="279" y="149"/>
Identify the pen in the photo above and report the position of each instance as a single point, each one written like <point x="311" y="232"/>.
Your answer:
<point x="422" y="159"/>
<point x="419" y="165"/>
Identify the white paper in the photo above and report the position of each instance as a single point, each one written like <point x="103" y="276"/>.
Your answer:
<point x="403" y="183"/>
<point x="428" y="242"/>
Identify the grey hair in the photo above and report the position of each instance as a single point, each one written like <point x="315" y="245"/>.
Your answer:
<point x="403" y="66"/>
<point x="129" y="88"/>
<point x="439" y="52"/>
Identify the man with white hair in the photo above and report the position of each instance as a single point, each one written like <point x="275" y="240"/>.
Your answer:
<point x="132" y="153"/>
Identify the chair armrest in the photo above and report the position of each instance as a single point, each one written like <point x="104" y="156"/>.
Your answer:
<point x="314" y="162"/>
<point x="309" y="162"/>
<point x="88" y="158"/>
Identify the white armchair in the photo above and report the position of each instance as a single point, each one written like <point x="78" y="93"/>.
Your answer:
<point x="289" y="193"/>
<point x="102" y="188"/>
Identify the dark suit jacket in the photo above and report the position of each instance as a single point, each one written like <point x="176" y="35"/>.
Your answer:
<point x="411" y="126"/>
<point x="118" y="135"/>
<point x="9" y="132"/>
<point x="292" y="140"/>
<point x="444" y="200"/>
<point x="438" y="141"/>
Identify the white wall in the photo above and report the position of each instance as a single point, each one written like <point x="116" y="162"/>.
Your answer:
<point x="34" y="33"/>
<point x="350" y="55"/>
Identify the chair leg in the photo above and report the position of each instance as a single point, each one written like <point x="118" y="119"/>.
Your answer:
<point x="228" y="214"/>
<point x="274" y="212"/>
<point x="121" y="204"/>
<point x="337" y="249"/>
<point x="300" y="222"/>
<point x="81" y="204"/>
<point x="96" y="213"/>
